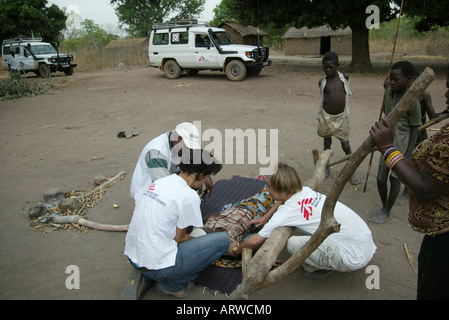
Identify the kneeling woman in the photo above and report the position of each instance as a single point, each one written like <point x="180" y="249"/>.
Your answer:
<point x="350" y="249"/>
<point x="157" y="243"/>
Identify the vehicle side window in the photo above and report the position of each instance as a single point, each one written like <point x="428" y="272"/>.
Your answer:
<point x="202" y="40"/>
<point x="160" y="38"/>
<point x="180" y="37"/>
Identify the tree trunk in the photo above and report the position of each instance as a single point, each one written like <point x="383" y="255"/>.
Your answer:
<point x="361" y="62"/>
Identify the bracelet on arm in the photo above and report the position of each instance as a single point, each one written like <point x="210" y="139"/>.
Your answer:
<point x="389" y="152"/>
<point x="385" y="146"/>
<point x="393" y="159"/>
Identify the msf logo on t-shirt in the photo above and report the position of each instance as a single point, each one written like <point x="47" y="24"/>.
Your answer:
<point x="151" y="188"/>
<point x="306" y="207"/>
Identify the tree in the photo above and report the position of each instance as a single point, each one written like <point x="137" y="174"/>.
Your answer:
<point x="314" y="13"/>
<point x="140" y="15"/>
<point x="430" y="13"/>
<point x="31" y="17"/>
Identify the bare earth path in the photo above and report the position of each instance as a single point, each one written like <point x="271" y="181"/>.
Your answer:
<point x="64" y="139"/>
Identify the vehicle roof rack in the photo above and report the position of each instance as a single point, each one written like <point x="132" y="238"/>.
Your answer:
<point x="187" y="23"/>
<point x="22" y="39"/>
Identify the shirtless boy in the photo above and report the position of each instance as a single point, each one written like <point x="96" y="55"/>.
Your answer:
<point x="333" y="111"/>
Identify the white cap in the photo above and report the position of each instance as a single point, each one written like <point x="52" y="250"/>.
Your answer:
<point x="189" y="134"/>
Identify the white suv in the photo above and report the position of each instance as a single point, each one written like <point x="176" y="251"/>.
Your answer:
<point x="187" y="45"/>
<point x="36" y="56"/>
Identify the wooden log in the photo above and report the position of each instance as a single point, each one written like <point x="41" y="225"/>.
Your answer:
<point x="429" y="123"/>
<point x="257" y="267"/>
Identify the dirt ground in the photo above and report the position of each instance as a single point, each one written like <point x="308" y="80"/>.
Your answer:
<point x="64" y="139"/>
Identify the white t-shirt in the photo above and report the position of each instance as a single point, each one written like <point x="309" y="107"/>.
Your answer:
<point x="164" y="205"/>
<point x="142" y="173"/>
<point x="303" y="211"/>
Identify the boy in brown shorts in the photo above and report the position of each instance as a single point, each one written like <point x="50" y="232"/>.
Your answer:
<point x="333" y="111"/>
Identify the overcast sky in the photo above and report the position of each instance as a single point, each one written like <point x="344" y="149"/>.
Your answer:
<point x="101" y="11"/>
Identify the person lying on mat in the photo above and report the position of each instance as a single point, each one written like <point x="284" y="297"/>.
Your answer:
<point x="157" y="243"/>
<point x="350" y="249"/>
<point x="238" y="219"/>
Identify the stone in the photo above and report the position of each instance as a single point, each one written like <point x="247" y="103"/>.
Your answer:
<point x="67" y="204"/>
<point x="99" y="179"/>
<point x="35" y="212"/>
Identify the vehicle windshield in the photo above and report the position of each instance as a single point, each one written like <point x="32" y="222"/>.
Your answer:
<point x="43" y="49"/>
<point x="223" y="38"/>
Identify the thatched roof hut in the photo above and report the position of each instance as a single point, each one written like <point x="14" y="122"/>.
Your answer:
<point x="318" y="41"/>
<point x="243" y="34"/>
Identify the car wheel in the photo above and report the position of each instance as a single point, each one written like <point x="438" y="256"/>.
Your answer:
<point x="44" y="70"/>
<point x="236" y="70"/>
<point x="172" y="69"/>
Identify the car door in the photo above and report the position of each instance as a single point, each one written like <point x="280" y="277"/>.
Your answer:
<point x="204" y="53"/>
<point x="26" y="59"/>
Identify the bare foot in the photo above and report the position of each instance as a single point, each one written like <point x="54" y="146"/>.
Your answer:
<point x="380" y="216"/>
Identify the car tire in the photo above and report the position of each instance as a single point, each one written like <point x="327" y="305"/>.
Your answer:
<point x="172" y="69"/>
<point x="44" y="70"/>
<point x="236" y="70"/>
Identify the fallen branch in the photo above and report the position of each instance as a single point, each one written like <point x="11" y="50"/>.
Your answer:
<point x="118" y="176"/>
<point x="409" y="255"/>
<point x="75" y="219"/>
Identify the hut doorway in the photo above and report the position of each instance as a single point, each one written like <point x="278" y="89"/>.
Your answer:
<point x="325" y="45"/>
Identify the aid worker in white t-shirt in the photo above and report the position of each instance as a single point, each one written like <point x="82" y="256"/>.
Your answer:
<point x="349" y="249"/>
<point x="160" y="157"/>
<point x="157" y="244"/>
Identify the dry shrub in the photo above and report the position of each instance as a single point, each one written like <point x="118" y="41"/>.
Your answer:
<point x="98" y="58"/>
<point x="438" y="44"/>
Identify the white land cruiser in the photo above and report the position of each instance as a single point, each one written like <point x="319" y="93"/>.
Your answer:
<point x="36" y="56"/>
<point x="187" y="45"/>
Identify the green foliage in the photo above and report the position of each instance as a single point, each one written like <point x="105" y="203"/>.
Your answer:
<point x="23" y="17"/>
<point x="90" y="35"/>
<point x="16" y="87"/>
<point x="140" y="15"/>
<point x="429" y="13"/>
<point x="387" y="29"/>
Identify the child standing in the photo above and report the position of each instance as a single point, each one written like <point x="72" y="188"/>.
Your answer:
<point x="406" y="132"/>
<point x="333" y="110"/>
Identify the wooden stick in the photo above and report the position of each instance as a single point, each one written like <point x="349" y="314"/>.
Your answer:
<point x="74" y="219"/>
<point x="104" y="184"/>
<point x="385" y="91"/>
<point x="429" y="123"/>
